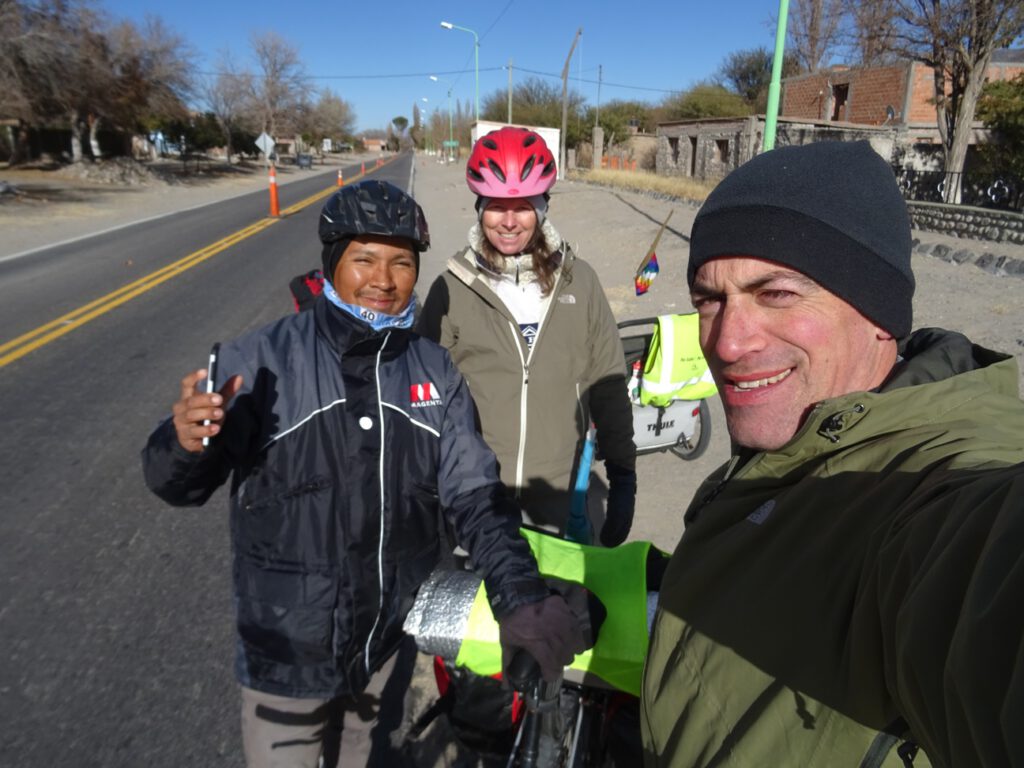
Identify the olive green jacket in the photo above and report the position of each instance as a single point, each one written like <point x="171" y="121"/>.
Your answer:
<point x="535" y="405"/>
<point x="860" y="585"/>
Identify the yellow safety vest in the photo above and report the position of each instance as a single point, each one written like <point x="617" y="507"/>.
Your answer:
<point x="675" y="368"/>
<point x="617" y="576"/>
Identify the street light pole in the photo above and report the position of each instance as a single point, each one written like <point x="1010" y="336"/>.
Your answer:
<point x="451" y="140"/>
<point x="476" y="60"/>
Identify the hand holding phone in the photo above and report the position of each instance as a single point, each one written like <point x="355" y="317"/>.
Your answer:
<point x="211" y="378"/>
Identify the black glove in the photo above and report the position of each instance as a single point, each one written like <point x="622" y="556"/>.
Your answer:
<point x="548" y="630"/>
<point x="618" y="518"/>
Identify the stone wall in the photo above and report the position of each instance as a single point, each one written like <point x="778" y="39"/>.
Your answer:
<point x="967" y="222"/>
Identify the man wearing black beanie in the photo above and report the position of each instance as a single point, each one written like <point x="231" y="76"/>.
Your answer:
<point x="848" y="587"/>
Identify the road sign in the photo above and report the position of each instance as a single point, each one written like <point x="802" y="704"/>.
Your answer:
<point x="450" y="143"/>
<point x="265" y="143"/>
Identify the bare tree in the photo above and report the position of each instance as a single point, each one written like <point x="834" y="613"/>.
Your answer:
<point x="956" y="39"/>
<point x="281" y="85"/>
<point x="813" y="31"/>
<point x="331" y="117"/>
<point x="870" y="31"/>
<point x="229" y="97"/>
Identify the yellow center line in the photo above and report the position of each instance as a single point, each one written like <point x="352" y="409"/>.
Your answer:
<point x="44" y="334"/>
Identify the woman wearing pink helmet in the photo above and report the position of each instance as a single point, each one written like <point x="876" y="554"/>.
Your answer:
<point x="528" y="325"/>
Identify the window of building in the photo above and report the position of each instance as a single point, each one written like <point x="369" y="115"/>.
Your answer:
<point x="673" y="145"/>
<point x="840" y="95"/>
<point x="722" y="151"/>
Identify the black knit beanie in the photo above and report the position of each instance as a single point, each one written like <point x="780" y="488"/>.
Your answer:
<point x="830" y="210"/>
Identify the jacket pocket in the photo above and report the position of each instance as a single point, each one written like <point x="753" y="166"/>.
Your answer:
<point x="287" y="617"/>
<point x="293" y="526"/>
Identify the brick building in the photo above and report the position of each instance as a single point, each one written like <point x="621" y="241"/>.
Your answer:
<point x="901" y="93"/>
<point x="890" y="105"/>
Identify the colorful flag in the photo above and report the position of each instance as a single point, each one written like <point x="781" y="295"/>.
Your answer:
<point x="648" y="269"/>
<point x="646" y="274"/>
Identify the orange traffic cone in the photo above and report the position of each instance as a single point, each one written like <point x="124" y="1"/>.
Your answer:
<point x="362" y="169"/>
<point x="275" y="209"/>
<point x="341" y="179"/>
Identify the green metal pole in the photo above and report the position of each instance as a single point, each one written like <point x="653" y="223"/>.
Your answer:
<point x="771" y="117"/>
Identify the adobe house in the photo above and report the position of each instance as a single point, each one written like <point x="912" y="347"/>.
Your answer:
<point x="890" y="105"/>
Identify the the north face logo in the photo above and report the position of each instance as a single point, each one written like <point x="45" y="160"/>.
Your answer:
<point x="422" y="395"/>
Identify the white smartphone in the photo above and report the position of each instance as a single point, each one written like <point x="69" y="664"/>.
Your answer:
<point x="211" y="378"/>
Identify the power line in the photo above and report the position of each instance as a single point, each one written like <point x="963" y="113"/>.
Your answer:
<point x="396" y="75"/>
<point x="402" y="75"/>
<point x="601" y="82"/>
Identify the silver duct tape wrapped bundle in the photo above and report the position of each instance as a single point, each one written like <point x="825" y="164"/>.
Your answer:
<point x="438" y="618"/>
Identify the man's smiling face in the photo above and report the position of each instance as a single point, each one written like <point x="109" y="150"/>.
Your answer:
<point x="778" y="343"/>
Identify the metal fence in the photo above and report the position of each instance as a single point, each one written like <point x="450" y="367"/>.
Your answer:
<point x="1003" y="193"/>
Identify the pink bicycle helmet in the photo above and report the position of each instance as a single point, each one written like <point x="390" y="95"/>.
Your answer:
<point x="510" y="162"/>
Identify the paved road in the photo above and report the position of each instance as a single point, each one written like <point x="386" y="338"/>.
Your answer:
<point x="115" y="612"/>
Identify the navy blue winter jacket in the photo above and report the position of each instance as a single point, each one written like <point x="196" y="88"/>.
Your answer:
<point x="344" y="447"/>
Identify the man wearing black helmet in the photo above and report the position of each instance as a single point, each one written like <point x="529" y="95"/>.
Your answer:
<point x="344" y="434"/>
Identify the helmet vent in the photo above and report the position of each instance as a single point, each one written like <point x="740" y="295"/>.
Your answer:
<point x="474" y="174"/>
<point x="490" y="144"/>
<point x="496" y="170"/>
<point x="527" y="167"/>
<point x="529" y="140"/>
<point x="548" y="169"/>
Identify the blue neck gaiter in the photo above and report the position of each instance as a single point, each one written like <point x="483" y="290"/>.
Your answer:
<point x="376" y="320"/>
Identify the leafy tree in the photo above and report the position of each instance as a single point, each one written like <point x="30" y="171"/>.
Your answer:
<point x="60" y="62"/>
<point x="150" y="77"/>
<point x="749" y="73"/>
<point x="617" y="116"/>
<point x="703" y="100"/>
<point x="539" y="103"/>
<point x="396" y="132"/>
<point x="1001" y="107"/>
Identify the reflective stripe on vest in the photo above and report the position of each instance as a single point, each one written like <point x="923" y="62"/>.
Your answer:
<point x="675" y="368"/>
<point x="617" y="576"/>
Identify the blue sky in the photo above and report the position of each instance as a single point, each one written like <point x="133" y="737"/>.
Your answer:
<point x="378" y="55"/>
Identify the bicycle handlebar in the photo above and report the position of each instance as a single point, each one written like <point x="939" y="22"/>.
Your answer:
<point x="523" y="672"/>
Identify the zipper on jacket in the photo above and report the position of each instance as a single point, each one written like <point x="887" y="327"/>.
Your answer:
<point x="524" y="386"/>
<point x="380" y="543"/>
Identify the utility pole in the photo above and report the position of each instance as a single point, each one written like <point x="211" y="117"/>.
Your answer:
<point x="771" y="116"/>
<point x="597" y="132"/>
<point x="565" y="102"/>
<point x="510" y="91"/>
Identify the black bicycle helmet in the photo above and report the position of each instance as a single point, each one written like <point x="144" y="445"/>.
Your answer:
<point x="369" y="207"/>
